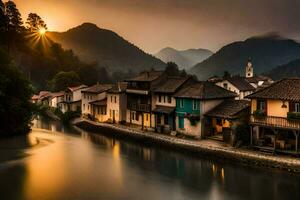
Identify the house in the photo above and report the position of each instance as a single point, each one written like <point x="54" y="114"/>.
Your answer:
<point x="223" y="121"/>
<point x="72" y="99"/>
<point x="91" y="96"/>
<point x="56" y="98"/>
<point x="243" y="85"/>
<point x="275" y="119"/>
<point x="117" y="103"/>
<point x="139" y="98"/>
<point x="164" y="103"/>
<point x="42" y="98"/>
<point x="238" y="85"/>
<point x="193" y="101"/>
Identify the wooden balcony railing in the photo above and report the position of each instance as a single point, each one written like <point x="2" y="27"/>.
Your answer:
<point x="139" y="107"/>
<point x="278" y="122"/>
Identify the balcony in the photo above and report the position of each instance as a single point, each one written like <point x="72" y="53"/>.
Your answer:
<point x="139" y="107"/>
<point x="276" y="122"/>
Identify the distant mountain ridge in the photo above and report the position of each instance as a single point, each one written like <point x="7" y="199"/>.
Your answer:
<point x="185" y="59"/>
<point x="291" y="69"/>
<point x="110" y="50"/>
<point x="266" y="53"/>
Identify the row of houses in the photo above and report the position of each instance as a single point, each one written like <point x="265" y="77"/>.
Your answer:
<point x="156" y="101"/>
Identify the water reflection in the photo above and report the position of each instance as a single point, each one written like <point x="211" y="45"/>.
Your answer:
<point x="82" y="165"/>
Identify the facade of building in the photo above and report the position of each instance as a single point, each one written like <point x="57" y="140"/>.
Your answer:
<point x="223" y="121"/>
<point x="56" y="99"/>
<point x="72" y="99"/>
<point x="117" y="103"/>
<point x="275" y="117"/>
<point x="139" y="98"/>
<point x="165" y="103"/>
<point x="193" y="101"/>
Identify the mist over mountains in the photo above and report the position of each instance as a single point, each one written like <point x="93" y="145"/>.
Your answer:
<point x="185" y="59"/>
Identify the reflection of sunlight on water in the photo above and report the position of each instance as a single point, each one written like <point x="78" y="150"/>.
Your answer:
<point x="117" y="171"/>
<point x="146" y="154"/>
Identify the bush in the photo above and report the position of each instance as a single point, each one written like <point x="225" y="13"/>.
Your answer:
<point x="70" y="115"/>
<point x="259" y="113"/>
<point x="293" y="115"/>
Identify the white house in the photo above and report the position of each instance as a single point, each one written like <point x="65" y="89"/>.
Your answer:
<point x="94" y="101"/>
<point x="56" y="99"/>
<point x="72" y="99"/>
<point x="117" y="103"/>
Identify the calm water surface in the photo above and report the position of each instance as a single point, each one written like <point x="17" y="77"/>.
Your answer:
<point x="68" y="163"/>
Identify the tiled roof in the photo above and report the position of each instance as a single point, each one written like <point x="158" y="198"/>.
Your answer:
<point x="163" y="109"/>
<point x="204" y="90"/>
<point x="229" y="109"/>
<point x="147" y="76"/>
<point x="98" y="88"/>
<point x="240" y="83"/>
<point x="118" y="87"/>
<point x="286" y="89"/>
<point x="101" y="102"/>
<point x="72" y="89"/>
<point x="258" y="78"/>
<point x="171" y="84"/>
<point x="57" y="94"/>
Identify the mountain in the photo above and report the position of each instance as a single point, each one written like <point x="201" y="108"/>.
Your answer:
<point x="184" y="59"/>
<point x="107" y="48"/>
<point x="291" y="69"/>
<point x="266" y="53"/>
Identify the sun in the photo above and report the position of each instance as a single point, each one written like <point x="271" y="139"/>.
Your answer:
<point x="42" y="31"/>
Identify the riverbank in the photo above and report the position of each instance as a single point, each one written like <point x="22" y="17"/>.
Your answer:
<point x="214" y="149"/>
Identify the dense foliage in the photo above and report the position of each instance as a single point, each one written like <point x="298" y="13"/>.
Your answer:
<point x="291" y="69"/>
<point x="16" y="111"/>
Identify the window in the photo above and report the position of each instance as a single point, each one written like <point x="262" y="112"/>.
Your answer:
<point x="159" y="98"/>
<point x="261" y="105"/>
<point x="111" y="99"/>
<point x="225" y="85"/>
<point x="115" y="99"/>
<point x="181" y="103"/>
<point x="169" y="99"/>
<point x="164" y="99"/>
<point x="88" y="107"/>
<point x="83" y="106"/>
<point x="297" y="107"/>
<point x="195" y="105"/>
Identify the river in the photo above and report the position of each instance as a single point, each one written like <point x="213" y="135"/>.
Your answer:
<point x="69" y="163"/>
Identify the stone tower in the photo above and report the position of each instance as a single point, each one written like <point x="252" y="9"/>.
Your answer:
<point x="249" y="69"/>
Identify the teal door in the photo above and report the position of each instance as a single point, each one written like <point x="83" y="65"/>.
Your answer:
<point x="181" y="122"/>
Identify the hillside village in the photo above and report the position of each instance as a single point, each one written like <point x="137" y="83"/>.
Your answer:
<point x="245" y="110"/>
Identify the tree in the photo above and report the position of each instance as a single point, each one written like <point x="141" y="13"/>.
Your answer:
<point x="226" y="74"/>
<point x="172" y="69"/>
<point x="35" y="23"/>
<point x="16" y="110"/>
<point x="14" y="17"/>
<point x="63" y="80"/>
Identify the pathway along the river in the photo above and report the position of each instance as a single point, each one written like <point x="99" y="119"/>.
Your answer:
<point x="67" y="163"/>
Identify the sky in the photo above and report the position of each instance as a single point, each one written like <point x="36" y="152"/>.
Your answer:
<point x="181" y="24"/>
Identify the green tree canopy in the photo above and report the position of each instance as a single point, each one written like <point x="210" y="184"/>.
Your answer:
<point x="16" y="111"/>
<point x="63" y="80"/>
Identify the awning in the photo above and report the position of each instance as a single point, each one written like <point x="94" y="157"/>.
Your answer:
<point x="99" y="102"/>
<point x="164" y="109"/>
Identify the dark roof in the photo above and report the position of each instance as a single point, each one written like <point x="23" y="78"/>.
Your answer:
<point x="72" y="89"/>
<point x="163" y="109"/>
<point x="171" y="84"/>
<point x="98" y="88"/>
<point x="147" y="76"/>
<point x="229" y="109"/>
<point x="57" y="94"/>
<point x="258" y="78"/>
<point x="240" y="83"/>
<point x="101" y="102"/>
<point x="204" y="90"/>
<point x="286" y="89"/>
<point x="118" y="87"/>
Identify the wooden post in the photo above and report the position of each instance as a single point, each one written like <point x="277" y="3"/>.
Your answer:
<point x="296" y="142"/>
<point x="275" y="134"/>
<point x="142" y="121"/>
<point x="150" y="120"/>
<point x="251" y="136"/>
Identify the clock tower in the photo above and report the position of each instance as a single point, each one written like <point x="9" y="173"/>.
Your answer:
<point x="249" y="69"/>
